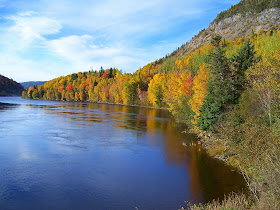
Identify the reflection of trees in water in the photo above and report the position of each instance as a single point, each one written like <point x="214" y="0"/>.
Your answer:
<point x="217" y="178"/>
<point x="196" y="187"/>
<point x="208" y="178"/>
<point x="5" y="106"/>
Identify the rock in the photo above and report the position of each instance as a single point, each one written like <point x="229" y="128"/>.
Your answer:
<point x="222" y="157"/>
<point x="236" y="26"/>
<point x="248" y="31"/>
<point x="258" y="28"/>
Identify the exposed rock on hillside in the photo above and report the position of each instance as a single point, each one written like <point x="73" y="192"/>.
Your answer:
<point x="236" y="26"/>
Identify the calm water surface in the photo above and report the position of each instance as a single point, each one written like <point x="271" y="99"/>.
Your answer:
<point x="60" y="155"/>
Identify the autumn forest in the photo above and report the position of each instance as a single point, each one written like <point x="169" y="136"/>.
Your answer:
<point x="203" y="88"/>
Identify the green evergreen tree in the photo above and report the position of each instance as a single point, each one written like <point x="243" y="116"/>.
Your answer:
<point x="220" y="88"/>
<point x="74" y="77"/>
<point x="41" y="93"/>
<point x="241" y="62"/>
<point x="29" y="94"/>
<point x="110" y="74"/>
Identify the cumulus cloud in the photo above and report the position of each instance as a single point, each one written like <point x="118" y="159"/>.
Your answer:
<point x="30" y="25"/>
<point x="82" y="52"/>
<point x="80" y="48"/>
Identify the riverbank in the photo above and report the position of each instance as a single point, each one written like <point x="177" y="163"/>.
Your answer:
<point x="261" y="172"/>
<point x="102" y="102"/>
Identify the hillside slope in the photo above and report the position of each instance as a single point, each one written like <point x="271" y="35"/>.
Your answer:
<point x="237" y="25"/>
<point x="241" y="20"/>
<point x="9" y="87"/>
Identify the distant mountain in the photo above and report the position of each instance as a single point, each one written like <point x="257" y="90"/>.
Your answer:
<point x="26" y="85"/>
<point x="9" y="87"/>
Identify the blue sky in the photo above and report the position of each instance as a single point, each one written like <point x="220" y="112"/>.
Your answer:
<point x="44" y="39"/>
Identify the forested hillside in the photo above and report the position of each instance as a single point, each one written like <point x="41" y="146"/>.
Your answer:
<point x="9" y="87"/>
<point x="228" y="89"/>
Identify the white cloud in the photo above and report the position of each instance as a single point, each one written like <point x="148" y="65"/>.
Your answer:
<point x="27" y="13"/>
<point x="79" y="50"/>
<point x="72" y="47"/>
<point x="25" y="31"/>
<point x="29" y="26"/>
<point x="83" y="53"/>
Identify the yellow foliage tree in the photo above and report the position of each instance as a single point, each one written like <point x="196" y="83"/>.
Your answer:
<point x="264" y="80"/>
<point x="199" y="92"/>
<point x="156" y="89"/>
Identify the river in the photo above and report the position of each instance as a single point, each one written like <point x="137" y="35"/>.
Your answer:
<point x="66" y="155"/>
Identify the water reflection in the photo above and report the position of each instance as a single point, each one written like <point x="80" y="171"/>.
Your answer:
<point x="6" y="106"/>
<point x="123" y="155"/>
<point x="209" y="178"/>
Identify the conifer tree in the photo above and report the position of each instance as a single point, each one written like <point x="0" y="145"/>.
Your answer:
<point x="220" y="88"/>
<point x="241" y="62"/>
